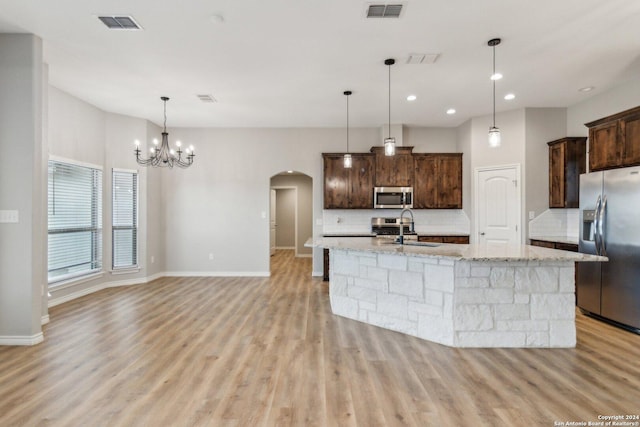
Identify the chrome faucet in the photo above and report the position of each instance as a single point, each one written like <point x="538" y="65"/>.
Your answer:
<point x="411" y="225"/>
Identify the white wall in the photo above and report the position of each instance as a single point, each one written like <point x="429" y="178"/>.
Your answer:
<point x="81" y="132"/>
<point x="541" y="126"/>
<point x="22" y="188"/>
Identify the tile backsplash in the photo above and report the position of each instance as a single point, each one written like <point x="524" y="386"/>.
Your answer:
<point x="426" y="221"/>
<point x="556" y="222"/>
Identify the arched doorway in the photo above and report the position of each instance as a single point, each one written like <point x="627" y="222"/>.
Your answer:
<point x="291" y="213"/>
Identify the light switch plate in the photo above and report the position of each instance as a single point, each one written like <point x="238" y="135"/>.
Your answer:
<point x="9" y="216"/>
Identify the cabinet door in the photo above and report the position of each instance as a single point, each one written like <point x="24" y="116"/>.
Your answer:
<point x="336" y="182"/>
<point x="394" y="171"/>
<point x="556" y="175"/>
<point x="604" y="150"/>
<point x="425" y="182"/>
<point x="361" y="181"/>
<point x="630" y="134"/>
<point x="449" y="172"/>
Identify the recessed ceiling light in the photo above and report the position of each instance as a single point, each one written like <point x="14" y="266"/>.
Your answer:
<point x="411" y="98"/>
<point x="496" y="76"/>
<point x="586" y="89"/>
<point x="289" y="171"/>
<point x="451" y="111"/>
<point x="509" y="96"/>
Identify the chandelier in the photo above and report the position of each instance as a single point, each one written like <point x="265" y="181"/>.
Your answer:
<point x="163" y="156"/>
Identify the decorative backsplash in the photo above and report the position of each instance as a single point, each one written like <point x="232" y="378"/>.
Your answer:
<point x="556" y="222"/>
<point x="426" y="221"/>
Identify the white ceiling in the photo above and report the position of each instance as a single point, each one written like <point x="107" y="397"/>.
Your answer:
<point x="285" y="63"/>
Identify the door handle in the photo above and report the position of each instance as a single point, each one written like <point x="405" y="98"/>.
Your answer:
<point x="603" y="226"/>
<point x="596" y="217"/>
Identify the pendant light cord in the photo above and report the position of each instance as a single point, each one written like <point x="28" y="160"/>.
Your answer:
<point x="347" y="123"/>
<point x="389" y="100"/>
<point x="165" y="115"/>
<point x="494" y="86"/>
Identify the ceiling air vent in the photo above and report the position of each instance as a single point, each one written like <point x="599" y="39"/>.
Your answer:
<point x="206" y="98"/>
<point x="120" y="22"/>
<point x="384" y="10"/>
<point x="422" y="58"/>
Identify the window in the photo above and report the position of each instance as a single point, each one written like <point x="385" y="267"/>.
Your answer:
<point x="125" y="219"/>
<point x="75" y="220"/>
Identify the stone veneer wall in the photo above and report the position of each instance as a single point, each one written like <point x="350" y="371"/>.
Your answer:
<point x="456" y="302"/>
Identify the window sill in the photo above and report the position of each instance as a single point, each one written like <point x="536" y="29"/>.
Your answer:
<point x="75" y="281"/>
<point x="126" y="270"/>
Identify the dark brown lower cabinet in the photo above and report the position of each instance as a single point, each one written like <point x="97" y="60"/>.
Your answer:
<point x="555" y="245"/>
<point x="460" y="240"/>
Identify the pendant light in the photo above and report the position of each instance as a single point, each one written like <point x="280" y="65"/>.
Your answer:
<point x="389" y="141"/>
<point x="348" y="161"/>
<point x="494" y="132"/>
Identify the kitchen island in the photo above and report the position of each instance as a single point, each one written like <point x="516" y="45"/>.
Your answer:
<point x="457" y="295"/>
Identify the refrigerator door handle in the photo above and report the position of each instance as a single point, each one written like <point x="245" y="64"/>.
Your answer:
<point x="596" y="225"/>
<point x="603" y="227"/>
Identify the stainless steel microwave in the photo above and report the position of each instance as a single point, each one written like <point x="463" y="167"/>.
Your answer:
<point x="392" y="197"/>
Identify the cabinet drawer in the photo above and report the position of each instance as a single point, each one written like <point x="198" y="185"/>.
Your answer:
<point x="543" y="244"/>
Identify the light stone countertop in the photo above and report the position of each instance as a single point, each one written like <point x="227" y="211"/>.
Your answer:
<point x="556" y="239"/>
<point x="486" y="252"/>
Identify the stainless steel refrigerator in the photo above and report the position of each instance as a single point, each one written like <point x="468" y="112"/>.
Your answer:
<point x="610" y="226"/>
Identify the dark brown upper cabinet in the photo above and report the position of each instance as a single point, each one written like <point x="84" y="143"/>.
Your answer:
<point x="437" y="181"/>
<point x="614" y="141"/>
<point x="567" y="160"/>
<point x="396" y="170"/>
<point x="348" y="188"/>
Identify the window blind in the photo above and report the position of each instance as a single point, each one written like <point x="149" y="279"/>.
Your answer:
<point x="74" y="220"/>
<point x="125" y="219"/>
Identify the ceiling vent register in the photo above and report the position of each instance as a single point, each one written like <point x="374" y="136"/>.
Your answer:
<point x="120" y="22"/>
<point x="206" y="98"/>
<point x="384" y="10"/>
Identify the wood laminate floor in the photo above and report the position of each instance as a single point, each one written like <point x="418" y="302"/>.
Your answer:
<point x="268" y="351"/>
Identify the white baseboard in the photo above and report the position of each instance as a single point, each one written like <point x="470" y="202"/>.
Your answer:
<point x="217" y="274"/>
<point x="317" y="274"/>
<point x="285" y="248"/>
<point x="304" y="255"/>
<point x="44" y="320"/>
<point x="77" y="294"/>
<point x="22" y="340"/>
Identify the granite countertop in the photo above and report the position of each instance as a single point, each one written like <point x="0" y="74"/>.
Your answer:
<point x="556" y="239"/>
<point x="486" y="252"/>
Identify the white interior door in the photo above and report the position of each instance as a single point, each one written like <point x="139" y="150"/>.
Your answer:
<point x="498" y="205"/>
<point x="272" y="222"/>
